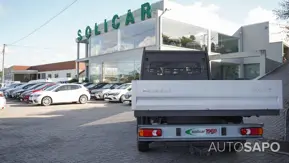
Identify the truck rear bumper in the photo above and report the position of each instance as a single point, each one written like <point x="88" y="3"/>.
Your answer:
<point x="169" y="113"/>
<point x="202" y="133"/>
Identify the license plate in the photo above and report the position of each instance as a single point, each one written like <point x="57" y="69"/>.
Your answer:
<point x="106" y="99"/>
<point x="202" y="132"/>
<point x="30" y="98"/>
<point x="92" y="95"/>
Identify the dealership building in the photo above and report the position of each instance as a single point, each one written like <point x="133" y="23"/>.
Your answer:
<point x="113" y="48"/>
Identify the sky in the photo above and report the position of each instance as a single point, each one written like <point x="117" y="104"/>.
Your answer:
<point x="55" y="42"/>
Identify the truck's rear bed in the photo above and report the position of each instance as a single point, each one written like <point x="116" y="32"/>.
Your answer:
<point x="206" y="97"/>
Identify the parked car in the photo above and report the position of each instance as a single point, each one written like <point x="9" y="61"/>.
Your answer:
<point x="118" y="94"/>
<point x="2" y="100"/>
<point x="61" y="93"/>
<point x="14" y="85"/>
<point x="97" y="86"/>
<point x="98" y="93"/>
<point x="127" y="97"/>
<point x="25" y="95"/>
<point x="15" y="94"/>
<point x="87" y="84"/>
<point x="26" y="85"/>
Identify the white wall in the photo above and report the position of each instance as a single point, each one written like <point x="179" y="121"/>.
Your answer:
<point x="275" y="51"/>
<point x="61" y="74"/>
<point x="255" y="37"/>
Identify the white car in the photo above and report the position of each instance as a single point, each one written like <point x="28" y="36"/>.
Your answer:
<point x="98" y="93"/>
<point x="127" y="97"/>
<point x="118" y="93"/>
<point x="61" y="93"/>
<point x="2" y="101"/>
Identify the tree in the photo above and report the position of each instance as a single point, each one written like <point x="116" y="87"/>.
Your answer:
<point x="166" y="39"/>
<point x="185" y="41"/>
<point x="283" y="12"/>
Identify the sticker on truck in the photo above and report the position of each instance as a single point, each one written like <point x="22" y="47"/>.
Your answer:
<point x="201" y="131"/>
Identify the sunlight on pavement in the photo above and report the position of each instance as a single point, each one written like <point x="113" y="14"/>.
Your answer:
<point x="121" y="117"/>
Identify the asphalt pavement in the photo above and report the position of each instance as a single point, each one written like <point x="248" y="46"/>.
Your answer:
<point x="96" y="132"/>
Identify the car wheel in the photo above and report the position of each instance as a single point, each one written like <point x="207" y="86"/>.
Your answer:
<point x="46" y="101"/>
<point x="83" y="99"/>
<point x="121" y="98"/>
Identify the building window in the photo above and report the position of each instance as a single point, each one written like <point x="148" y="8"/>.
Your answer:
<point x="251" y="71"/>
<point x="43" y="76"/>
<point x="49" y="75"/>
<point x="39" y="77"/>
<point x="55" y="75"/>
<point x="68" y="75"/>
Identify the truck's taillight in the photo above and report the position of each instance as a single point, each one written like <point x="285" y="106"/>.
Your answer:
<point x="252" y="131"/>
<point x="149" y="132"/>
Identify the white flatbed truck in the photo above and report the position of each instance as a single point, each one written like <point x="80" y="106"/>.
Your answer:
<point x="175" y="100"/>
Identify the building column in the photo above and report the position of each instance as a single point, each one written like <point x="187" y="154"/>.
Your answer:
<point x="159" y="38"/>
<point x="241" y="70"/>
<point x="118" y="40"/>
<point x="86" y="50"/>
<point x="209" y="42"/>
<point x="87" y="70"/>
<point x="77" y="62"/>
<point x="262" y="62"/>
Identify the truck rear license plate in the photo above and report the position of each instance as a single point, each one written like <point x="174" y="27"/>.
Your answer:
<point x="200" y="132"/>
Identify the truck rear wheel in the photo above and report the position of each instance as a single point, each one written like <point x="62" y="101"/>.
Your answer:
<point x="143" y="146"/>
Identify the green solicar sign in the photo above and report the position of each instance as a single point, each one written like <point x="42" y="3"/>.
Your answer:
<point x="146" y="12"/>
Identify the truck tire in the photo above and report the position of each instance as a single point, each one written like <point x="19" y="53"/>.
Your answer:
<point x="143" y="146"/>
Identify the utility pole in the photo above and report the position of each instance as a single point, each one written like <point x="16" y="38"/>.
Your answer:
<point x="3" y="54"/>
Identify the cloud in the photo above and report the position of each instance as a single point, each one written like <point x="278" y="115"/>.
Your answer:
<point x="258" y="15"/>
<point x="206" y="16"/>
<point x="276" y="27"/>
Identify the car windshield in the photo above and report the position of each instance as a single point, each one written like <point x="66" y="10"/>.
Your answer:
<point x="40" y="86"/>
<point x="90" y="86"/>
<point x="51" y="87"/>
<point x="115" y="86"/>
<point x="35" y="86"/>
<point x="124" y="86"/>
<point x="107" y="86"/>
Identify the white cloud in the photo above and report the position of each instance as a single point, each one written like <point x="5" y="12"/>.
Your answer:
<point x="258" y="15"/>
<point x="206" y="16"/>
<point x="276" y="28"/>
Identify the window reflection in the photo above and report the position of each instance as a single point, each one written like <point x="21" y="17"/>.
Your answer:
<point x="224" y="44"/>
<point x="139" y="35"/>
<point x="251" y="71"/>
<point x="183" y="35"/>
<point x="95" y="72"/>
<point x="130" y="37"/>
<point x="121" y="71"/>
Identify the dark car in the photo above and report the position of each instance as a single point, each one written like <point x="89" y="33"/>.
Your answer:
<point x="25" y="95"/>
<point x="16" y="94"/>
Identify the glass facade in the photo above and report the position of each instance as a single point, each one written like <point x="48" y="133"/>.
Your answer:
<point x="184" y="35"/>
<point x="113" y="72"/>
<point x="223" y="44"/>
<point x="251" y="71"/>
<point x="138" y="35"/>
